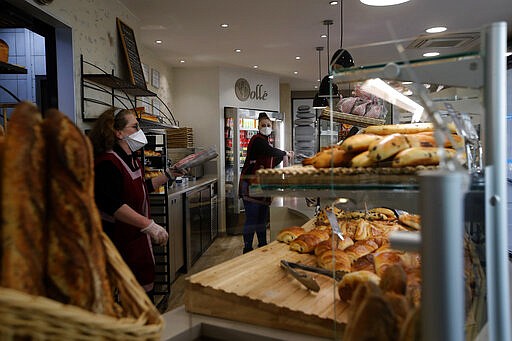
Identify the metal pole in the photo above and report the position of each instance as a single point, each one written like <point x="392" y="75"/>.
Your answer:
<point x="498" y="300"/>
<point x="442" y="254"/>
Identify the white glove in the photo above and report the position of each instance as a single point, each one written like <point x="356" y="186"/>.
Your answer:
<point x="157" y="233"/>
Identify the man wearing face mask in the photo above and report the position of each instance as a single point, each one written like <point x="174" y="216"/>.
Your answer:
<point x="121" y="192"/>
<point x="260" y="154"/>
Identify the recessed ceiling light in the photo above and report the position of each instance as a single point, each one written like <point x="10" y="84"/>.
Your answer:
<point x="323" y="36"/>
<point x="437" y="29"/>
<point x="224" y="25"/>
<point x="297" y="57"/>
<point x="318" y="80"/>
<point x="427" y="86"/>
<point x="406" y="83"/>
<point x="383" y="2"/>
<point x="431" y="54"/>
<point x="332" y="3"/>
<point x="508" y="54"/>
<point x="158" y="41"/>
<point x="316" y="86"/>
<point x="182" y="61"/>
<point x="255" y="66"/>
<point x="238" y="50"/>
<point x="295" y="72"/>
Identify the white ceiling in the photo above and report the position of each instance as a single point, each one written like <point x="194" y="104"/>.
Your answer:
<point x="271" y="33"/>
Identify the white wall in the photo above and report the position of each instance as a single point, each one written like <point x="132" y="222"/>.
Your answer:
<point x="94" y="34"/>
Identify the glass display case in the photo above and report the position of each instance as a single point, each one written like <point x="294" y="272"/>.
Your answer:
<point x="454" y="205"/>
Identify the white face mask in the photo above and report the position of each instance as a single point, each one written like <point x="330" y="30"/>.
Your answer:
<point x="136" y="140"/>
<point x="266" y="131"/>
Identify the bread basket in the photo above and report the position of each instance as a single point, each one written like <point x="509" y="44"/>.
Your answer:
<point x="40" y="318"/>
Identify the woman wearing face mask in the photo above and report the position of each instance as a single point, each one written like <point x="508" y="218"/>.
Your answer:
<point x="121" y="192"/>
<point x="260" y="154"/>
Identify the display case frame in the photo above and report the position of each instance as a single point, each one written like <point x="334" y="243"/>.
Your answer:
<point x="443" y="311"/>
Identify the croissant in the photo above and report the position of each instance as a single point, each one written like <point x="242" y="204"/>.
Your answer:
<point x="384" y="259"/>
<point x="288" y="234"/>
<point x="350" y="281"/>
<point x="327" y="245"/>
<point x="361" y="248"/>
<point x="334" y="260"/>
<point x="306" y="243"/>
<point x="394" y="280"/>
<point x="364" y="263"/>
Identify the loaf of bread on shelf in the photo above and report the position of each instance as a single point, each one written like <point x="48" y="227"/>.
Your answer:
<point x="421" y="156"/>
<point x="23" y="206"/>
<point x="334" y="260"/>
<point x="407" y="128"/>
<point x="332" y="157"/>
<point x="289" y="234"/>
<point x="76" y="269"/>
<point x="387" y="147"/>
<point x="350" y="281"/>
<point x="306" y="243"/>
<point x="359" y="142"/>
<point x="362" y="160"/>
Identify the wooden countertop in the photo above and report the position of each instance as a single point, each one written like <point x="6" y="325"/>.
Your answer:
<point x="253" y="288"/>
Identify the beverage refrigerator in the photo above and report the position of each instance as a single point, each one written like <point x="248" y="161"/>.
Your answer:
<point x="239" y="126"/>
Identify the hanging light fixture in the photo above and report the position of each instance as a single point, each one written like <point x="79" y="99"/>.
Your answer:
<point x="341" y="58"/>
<point x="327" y="87"/>
<point x="320" y="102"/>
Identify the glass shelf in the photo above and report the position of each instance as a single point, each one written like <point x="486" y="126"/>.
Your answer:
<point x="465" y="70"/>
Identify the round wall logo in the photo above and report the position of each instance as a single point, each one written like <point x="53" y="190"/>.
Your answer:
<point x="242" y="89"/>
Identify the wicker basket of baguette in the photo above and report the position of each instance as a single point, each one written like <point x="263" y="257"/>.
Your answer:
<point x="61" y="278"/>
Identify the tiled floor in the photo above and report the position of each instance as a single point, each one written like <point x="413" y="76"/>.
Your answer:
<point x="221" y="250"/>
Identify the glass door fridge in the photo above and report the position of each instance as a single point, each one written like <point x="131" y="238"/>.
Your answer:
<point x="239" y="126"/>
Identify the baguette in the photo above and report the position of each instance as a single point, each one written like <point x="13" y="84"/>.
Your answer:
<point x="332" y="157"/>
<point x="76" y="270"/>
<point x="420" y="156"/>
<point x="289" y="234"/>
<point x="359" y="143"/>
<point x="387" y="147"/>
<point x="23" y="205"/>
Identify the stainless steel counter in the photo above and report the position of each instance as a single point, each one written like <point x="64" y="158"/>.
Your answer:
<point x="183" y="188"/>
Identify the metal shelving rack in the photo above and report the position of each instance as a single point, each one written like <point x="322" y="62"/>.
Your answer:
<point x="120" y="92"/>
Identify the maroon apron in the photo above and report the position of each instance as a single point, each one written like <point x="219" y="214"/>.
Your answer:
<point x="133" y="245"/>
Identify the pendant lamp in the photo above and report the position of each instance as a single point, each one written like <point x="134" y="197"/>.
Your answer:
<point x="327" y="87"/>
<point x="341" y="59"/>
<point x="320" y="102"/>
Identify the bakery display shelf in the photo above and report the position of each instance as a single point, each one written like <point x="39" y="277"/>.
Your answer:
<point x="359" y="121"/>
<point x="118" y="83"/>
<point x="296" y="181"/>
<point x="6" y="68"/>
